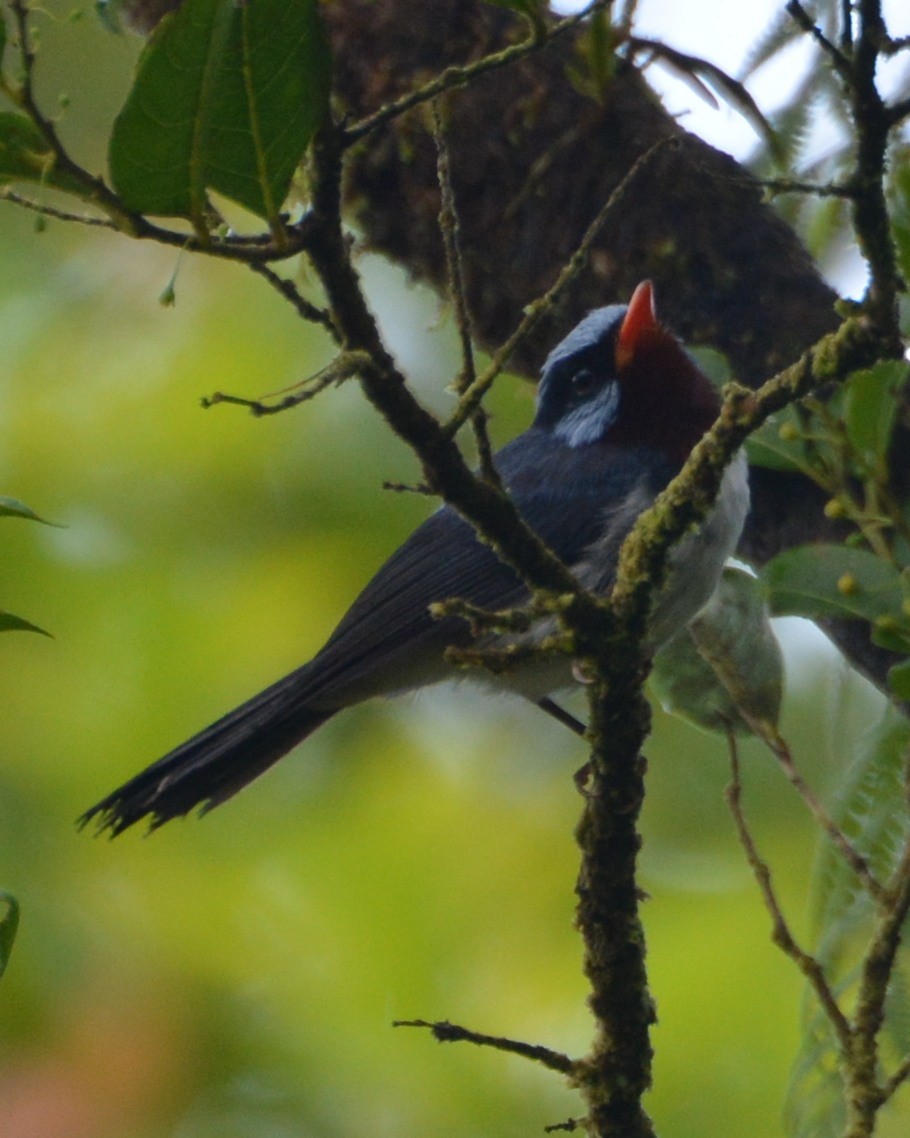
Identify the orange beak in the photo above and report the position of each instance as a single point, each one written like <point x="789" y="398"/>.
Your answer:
<point x="639" y="320"/>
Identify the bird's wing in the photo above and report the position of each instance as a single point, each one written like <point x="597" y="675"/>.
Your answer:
<point x="569" y="496"/>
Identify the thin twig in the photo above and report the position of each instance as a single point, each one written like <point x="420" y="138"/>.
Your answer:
<point x="566" y="718"/>
<point x="455" y="76"/>
<point x="289" y="290"/>
<point x="481" y="620"/>
<point x="839" y="61"/>
<point x="537" y="309"/>
<point x="781" y="934"/>
<point x="55" y="214"/>
<point x="503" y="661"/>
<point x="450" y="230"/>
<point x="772" y="738"/>
<point x="567" y="1127"/>
<point x="897" y="1079"/>
<point x="23" y="95"/>
<point x="445" y="1032"/>
<point x="878" y="969"/>
<point x="252" y="248"/>
<point x="764" y="730"/>
<point x="408" y="488"/>
<point x="846" y="25"/>
<point x="871" y="218"/>
<point x="344" y="366"/>
<point x="818" y="189"/>
<point x="872" y="122"/>
<point x="893" y="45"/>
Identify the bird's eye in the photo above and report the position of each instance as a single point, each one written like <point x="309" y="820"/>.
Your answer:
<point x="583" y="382"/>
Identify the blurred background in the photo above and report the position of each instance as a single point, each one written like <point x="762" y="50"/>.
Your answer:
<point x="238" y="976"/>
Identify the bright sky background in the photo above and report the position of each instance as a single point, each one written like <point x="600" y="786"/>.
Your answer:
<point x="724" y="33"/>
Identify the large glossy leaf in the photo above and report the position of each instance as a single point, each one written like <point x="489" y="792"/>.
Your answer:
<point x="834" y="581"/>
<point x="778" y="444"/>
<point x="871" y="405"/>
<point x="727" y="660"/>
<point x="864" y="407"/>
<point x="227" y="98"/>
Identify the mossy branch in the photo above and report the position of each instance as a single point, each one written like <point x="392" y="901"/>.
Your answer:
<point x="451" y="78"/>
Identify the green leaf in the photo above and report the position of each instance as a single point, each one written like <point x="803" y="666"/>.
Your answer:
<point x="843" y="914"/>
<point x="865" y="811"/>
<point x="727" y="659"/>
<point x="687" y="686"/>
<point x="227" y="98"/>
<point x="899" y="680"/>
<point x="2" y="36"/>
<point x="866" y="405"/>
<point x="11" y="623"/>
<point x="9" y="924"/>
<point x="870" y="406"/>
<point x="12" y="508"/>
<point x="835" y="581"/>
<point x="814" y="1106"/>
<point x="26" y="157"/>
<point x="778" y="444"/>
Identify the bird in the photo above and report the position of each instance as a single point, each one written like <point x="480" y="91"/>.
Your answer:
<point x="620" y="404"/>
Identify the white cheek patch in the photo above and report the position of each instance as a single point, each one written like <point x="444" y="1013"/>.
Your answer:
<point x="589" y="422"/>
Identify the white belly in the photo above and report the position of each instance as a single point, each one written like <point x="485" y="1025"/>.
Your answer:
<point x="695" y="566"/>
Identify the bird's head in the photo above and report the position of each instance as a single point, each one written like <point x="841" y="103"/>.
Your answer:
<point x="621" y="377"/>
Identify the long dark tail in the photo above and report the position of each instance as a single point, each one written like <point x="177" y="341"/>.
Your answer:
<point x="213" y="765"/>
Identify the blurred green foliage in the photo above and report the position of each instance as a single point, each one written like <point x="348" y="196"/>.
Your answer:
<point x="237" y="977"/>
